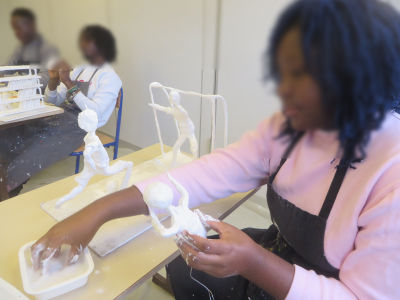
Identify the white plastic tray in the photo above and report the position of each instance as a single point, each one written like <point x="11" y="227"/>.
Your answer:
<point x="60" y="279"/>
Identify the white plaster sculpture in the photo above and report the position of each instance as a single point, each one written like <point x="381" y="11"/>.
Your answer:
<point x="20" y="93"/>
<point x="159" y="195"/>
<point x="212" y="99"/>
<point x="96" y="160"/>
<point x="185" y="125"/>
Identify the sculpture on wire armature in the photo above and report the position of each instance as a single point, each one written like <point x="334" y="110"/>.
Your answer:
<point x="184" y="124"/>
<point x="96" y="160"/>
<point x="159" y="196"/>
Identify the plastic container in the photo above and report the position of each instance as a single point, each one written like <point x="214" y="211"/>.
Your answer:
<point x="59" y="279"/>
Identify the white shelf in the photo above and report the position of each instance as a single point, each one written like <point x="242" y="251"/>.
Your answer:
<point x="7" y="89"/>
<point x="19" y="77"/>
<point x="15" y="111"/>
<point x="20" y="99"/>
<point x="18" y="114"/>
<point x="22" y="67"/>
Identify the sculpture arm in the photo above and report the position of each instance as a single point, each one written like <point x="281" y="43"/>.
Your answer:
<point x="184" y="200"/>
<point x="173" y="229"/>
<point x="161" y="108"/>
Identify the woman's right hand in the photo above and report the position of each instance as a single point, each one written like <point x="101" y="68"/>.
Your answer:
<point x="76" y="231"/>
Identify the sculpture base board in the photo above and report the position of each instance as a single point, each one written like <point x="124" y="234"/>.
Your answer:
<point x="18" y="114"/>
<point x="115" y="233"/>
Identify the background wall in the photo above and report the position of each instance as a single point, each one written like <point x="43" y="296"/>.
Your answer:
<point x="202" y="45"/>
<point x="157" y="41"/>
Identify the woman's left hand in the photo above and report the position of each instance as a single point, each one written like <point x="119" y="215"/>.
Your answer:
<point x="227" y="256"/>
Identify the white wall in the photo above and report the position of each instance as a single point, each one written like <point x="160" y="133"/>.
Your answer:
<point x="244" y="36"/>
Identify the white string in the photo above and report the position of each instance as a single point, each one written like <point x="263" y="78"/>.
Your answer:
<point x="210" y="294"/>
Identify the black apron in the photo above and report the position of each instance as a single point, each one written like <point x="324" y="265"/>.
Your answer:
<point x="296" y="236"/>
<point x="27" y="149"/>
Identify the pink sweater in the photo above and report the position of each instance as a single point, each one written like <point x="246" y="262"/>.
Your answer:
<point x="362" y="237"/>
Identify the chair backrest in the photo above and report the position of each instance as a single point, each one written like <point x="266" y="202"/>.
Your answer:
<point x="118" y="105"/>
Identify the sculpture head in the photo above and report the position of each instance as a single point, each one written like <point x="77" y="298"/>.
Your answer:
<point x="174" y="98"/>
<point x="87" y="120"/>
<point x="158" y="195"/>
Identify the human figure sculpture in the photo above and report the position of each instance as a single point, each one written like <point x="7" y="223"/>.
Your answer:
<point x="185" y="125"/>
<point x="159" y="195"/>
<point x="96" y="160"/>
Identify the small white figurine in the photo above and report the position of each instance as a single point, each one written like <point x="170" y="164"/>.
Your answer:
<point x="185" y="124"/>
<point x="96" y="160"/>
<point x="159" y="195"/>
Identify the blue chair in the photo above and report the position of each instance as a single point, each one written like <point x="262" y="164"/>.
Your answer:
<point x="106" y="140"/>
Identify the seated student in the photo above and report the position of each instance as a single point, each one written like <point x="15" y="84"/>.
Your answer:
<point x="34" y="49"/>
<point x="94" y="85"/>
<point x="27" y="149"/>
<point x="331" y="159"/>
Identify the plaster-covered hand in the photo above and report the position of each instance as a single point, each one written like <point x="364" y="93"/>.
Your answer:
<point x="223" y="257"/>
<point x="76" y="231"/>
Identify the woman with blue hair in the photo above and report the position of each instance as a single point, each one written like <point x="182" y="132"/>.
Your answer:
<point x="331" y="159"/>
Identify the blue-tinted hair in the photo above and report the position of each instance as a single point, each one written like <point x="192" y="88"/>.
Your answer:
<point x="352" y="49"/>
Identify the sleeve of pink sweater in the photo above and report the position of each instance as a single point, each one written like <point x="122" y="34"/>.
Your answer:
<point x="239" y="167"/>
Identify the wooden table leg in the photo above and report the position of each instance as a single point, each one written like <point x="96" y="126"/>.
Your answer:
<point x="3" y="182"/>
<point x="163" y="282"/>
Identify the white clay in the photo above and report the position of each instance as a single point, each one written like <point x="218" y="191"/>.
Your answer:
<point x="185" y="124"/>
<point x="159" y="195"/>
<point x="96" y="160"/>
<point x="182" y="218"/>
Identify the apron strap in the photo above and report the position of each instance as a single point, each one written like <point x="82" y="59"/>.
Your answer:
<point x="76" y="79"/>
<point x="333" y="188"/>
<point x="333" y="191"/>
<point x="91" y="77"/>
<point x="285" y="156"/>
